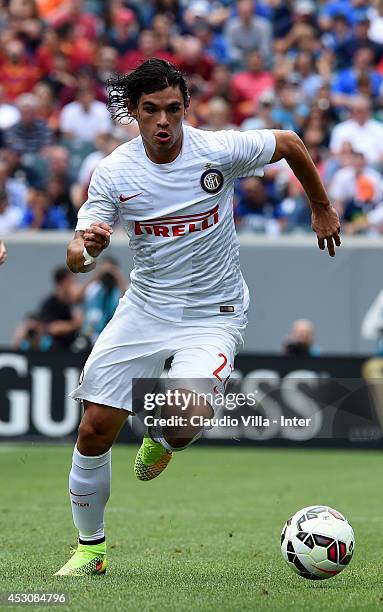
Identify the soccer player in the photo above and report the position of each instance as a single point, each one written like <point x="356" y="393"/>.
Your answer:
<point x="172" y="189"/>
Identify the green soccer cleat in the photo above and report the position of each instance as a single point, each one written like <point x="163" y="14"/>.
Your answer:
<point x="151" y="459"/>
<point x="85" y="561"/>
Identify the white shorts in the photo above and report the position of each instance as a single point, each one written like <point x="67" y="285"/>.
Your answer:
<point x="135" y="346"/>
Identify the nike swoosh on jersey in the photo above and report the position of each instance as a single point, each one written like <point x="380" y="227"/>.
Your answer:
<point x="125" y="199"/>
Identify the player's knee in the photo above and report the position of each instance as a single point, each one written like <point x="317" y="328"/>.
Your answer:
<point x="92" y="439"/>
<point x="193" y="425"/>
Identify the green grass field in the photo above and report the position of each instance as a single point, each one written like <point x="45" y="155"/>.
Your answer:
<point x="203" y="536"/>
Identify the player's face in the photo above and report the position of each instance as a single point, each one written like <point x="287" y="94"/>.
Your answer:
<point x="160" y="115"/>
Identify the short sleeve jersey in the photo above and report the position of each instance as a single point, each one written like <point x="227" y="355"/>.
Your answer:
<point x="179" y="220"/>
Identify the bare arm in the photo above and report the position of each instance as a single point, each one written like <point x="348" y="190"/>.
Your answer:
<point x="95" y="239"/>
<point x="325" y="220"/>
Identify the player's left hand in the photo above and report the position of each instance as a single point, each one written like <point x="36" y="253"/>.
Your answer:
<point x="325" y="223"/>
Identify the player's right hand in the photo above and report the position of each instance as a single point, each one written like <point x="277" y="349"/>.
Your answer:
<point x="97" y="237"/>
<point x="325" y="223"/>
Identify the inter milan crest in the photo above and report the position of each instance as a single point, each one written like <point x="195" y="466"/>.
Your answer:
<point x="212" y="180"/>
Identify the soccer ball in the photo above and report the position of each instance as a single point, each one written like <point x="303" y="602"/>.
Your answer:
<point x="317" y="542"/>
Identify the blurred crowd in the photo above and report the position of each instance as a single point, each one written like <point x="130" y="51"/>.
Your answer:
<point x="313" y="67"/>
<point x="73" y="315"/>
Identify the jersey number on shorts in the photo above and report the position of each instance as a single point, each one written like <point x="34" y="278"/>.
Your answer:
<point x="220" y="368"/>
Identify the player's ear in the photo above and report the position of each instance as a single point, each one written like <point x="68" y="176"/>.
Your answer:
<point x="132" y="109"/>
<point x="186" y="108"/>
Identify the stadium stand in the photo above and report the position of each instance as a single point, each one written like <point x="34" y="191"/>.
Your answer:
<point x="313" y="67"/>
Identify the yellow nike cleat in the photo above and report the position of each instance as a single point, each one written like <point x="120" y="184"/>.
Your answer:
<point x="151" y="459"/>
<point x="85" y="561"/>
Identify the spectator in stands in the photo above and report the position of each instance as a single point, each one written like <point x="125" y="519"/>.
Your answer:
<point x="147" y="47"/>
<point x="106" y="64"/>
<point x="293" y="209"/>
<point x="218" y="115"/>
<point x="86" y="80"/>
<point x="31" y="134"/>
<point x="220" y="84"/>
<point x="302" y="36"/>
<point x="17" y="72"/>
<point x="164" y="31"/>
<point x="101" y="297"/>
<point x="9" y="113"/>
<point x="336" y="35"/>
<point x="280" y="15"/>
<point x="123" y="34"/>
<point x="171" y="8"/>
<point x="320" y="118"/>
<point x="375" y="14"/>
<point x="74" y="14"/>
<point x="85" y="118"/>
<point x="48" y="48"/>
<point x="47" y="105"/>
<point x="364" y="133"/>
<point x="57" y="158"/>
<point x="10" y="216"/>
<point x="59" y="181"/>
<point x="59" y="77"/>
<point x="374" y="221"/>
<point x="192" y="61"/>
<point x="207" y="10"/>
<point x="105" y="144"/>
<point x="214" y="44"/>
<point x="23" y="9"/>
<point x="307" y="75"/>
<point x="330" y="9"/>
<point x="42" y="213"/>
<point x="58" y="194"/>
<point x="253" y="210"/>
<point x="359" y="39"/>
<point x="262" y="117"/>
<point x="22" y="172"/>
<point x="197" y="109"/>
<point x="346" y="83"/>
<point x="29" y="31"/>
<point x="247" y="32"/>
<point x="31" y="335"/>
<point x="58" y="312"/>
<point x="355" y="190"/>
<point x="250" y="84"/>
<point x="289" y="112"/>
<point x="15" y="189"/>
<point x="81" y="51"/>
<point x="300" y="341"/>
<point x="3" y="252"/>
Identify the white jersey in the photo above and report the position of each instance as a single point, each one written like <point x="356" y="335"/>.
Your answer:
<point x="179" y="219"/>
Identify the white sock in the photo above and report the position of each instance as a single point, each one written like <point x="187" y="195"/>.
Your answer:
<point x="89" y="490"/>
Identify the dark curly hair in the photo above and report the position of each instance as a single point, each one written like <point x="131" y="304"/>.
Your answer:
<point x="152" y="75"/>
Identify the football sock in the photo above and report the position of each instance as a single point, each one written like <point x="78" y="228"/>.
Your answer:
<point x="89" y="490"/>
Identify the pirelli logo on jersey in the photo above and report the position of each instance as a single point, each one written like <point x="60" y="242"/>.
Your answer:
<point x="178" y="225"/>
